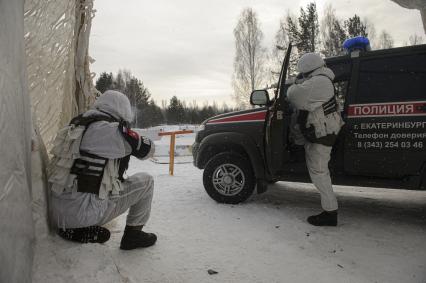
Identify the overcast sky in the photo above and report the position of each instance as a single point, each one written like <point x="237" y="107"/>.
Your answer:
<point x="186" y="47"/>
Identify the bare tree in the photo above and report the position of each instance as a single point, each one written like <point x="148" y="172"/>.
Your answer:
<point x="332" y="33"/>
<point x="281" y="41"/>
<point x="370" y="29"/>
<point x="385" y="40"/>
<point x="250" y="56"/>
<point x="119" y="83"/>
<point x="278" y="50"/>
<point x="415" y="39"/>
<point x="194" y="104"/>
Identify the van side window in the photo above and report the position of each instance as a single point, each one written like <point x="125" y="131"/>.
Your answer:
<point x="397" y="78"/>
<point x="342" y="72"/>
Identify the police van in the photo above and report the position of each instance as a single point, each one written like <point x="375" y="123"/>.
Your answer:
<point x="382" y="98"/>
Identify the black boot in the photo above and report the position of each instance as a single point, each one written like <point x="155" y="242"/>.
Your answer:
<point x="325" y="218"/>
<point x="91" y="234"/>
<point x="134" y="238"/>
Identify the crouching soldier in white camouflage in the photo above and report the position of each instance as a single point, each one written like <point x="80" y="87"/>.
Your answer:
<point x="87" y="180"/>
<point x="319" y="122"/>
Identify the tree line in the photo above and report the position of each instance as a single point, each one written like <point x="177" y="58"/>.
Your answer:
<point x="256" y="66"/>
<point x="147" y="112"/>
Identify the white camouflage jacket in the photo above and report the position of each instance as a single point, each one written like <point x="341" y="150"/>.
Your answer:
<point x="310" y="94"/>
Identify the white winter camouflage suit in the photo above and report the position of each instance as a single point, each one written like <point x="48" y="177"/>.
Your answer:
<point x="310" y="94"/>
<point x="72" y="209"/>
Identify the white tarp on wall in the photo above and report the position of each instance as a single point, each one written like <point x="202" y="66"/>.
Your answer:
<point x="17" y="231"/>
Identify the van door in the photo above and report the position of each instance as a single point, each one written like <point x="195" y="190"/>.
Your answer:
<point x="386" y="119"/>
<point x="342" y="69"/>
<point x="276" y="124"/>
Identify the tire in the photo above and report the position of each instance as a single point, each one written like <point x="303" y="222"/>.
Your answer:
<point x="228" y="178"/>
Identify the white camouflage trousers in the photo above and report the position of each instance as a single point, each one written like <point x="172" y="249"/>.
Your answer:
<point x="317" y="158"/>
<point x="137" y="195"/>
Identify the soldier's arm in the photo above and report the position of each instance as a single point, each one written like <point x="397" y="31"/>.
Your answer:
<point x="299" y="95"/>
<point x="142" y="147"/>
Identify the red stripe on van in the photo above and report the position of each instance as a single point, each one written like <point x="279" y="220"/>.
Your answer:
<point x="247" y="117"/>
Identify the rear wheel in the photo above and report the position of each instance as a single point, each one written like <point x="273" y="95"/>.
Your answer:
<point x="228" y="178"/>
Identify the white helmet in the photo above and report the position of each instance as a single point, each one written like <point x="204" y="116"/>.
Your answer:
<point x="309" y="62"/>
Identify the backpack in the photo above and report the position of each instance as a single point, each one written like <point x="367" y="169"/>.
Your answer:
<point x="71" y="164"/>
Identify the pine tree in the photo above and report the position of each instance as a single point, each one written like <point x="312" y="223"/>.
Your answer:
<point x="175" y="111"/>
<point x="150" y="115"/>
<point x="355" y="27"/>
<point x="303" y="32"/>
<point x="308" y="29"/>
<point x="104" y="82"/>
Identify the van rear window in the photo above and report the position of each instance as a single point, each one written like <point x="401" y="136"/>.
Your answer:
<point x="397" y="78"/>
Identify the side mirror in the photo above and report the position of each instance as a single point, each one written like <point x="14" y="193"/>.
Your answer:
<point x="259" y="97"/>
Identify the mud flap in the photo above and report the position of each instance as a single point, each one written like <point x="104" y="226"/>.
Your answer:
<point x="423" y="178"/>
<point x="261" y="186"/>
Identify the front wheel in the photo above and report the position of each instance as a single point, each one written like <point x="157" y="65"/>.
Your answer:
<point x="228" y="178"/>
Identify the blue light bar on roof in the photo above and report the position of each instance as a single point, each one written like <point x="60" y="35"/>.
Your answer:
<point x="360" y="43"/>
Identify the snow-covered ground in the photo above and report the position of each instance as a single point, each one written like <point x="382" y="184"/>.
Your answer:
<point x="381" y="237"/>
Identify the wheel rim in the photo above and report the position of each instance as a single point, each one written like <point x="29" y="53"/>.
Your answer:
<point x="228" y="179"/>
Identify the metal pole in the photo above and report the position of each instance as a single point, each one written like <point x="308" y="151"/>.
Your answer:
<point x="172" y="153"/>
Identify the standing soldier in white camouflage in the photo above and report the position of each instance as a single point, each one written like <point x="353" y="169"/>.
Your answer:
<point x="319" y="121"/>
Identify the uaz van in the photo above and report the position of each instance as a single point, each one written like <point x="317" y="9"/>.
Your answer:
<point x="382" y="97"/>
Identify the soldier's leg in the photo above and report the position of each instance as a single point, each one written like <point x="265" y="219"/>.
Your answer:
<point x="317" y="158"/>
<point x="137" y="195"/>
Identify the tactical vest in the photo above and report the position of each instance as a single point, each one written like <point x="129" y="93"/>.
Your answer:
<point x="309" y="132"/>
<point x="89" y="168"/>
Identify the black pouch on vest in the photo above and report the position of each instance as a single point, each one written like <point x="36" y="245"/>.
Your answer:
<point x="89" y="169"/>
<point x="308" y="132"/>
